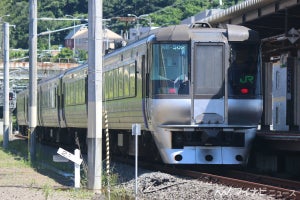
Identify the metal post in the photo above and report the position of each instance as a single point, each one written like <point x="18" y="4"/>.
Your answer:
<point x="6" y="86"/>
<point x="138" y="26"/>
<point x="77" y="169"/>
<point x="74" y="51"/>
<point x="136" y="131"/>
<point x="136" y="164"/>
<point x="32" y="77"/>
<point x="49" y="41"/>
<point x="94" y="135"/>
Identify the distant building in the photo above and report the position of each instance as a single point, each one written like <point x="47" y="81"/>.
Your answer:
<point x="79" y="39"/>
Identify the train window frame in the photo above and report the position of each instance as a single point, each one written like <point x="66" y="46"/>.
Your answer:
<point x="114" y="78"/>
<point x="132" y="80"/>
<point x="245" y="65"/>
<point x="162" y="84"/>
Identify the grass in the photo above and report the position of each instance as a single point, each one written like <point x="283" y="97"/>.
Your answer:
<point x="6" y="154"/>
<point x="81" y="194"/>
<point x="16" y="156"/>
<point x="48" y="191"/>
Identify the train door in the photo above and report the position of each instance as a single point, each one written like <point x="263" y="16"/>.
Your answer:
<point x="208" y="102"/>
<point x="39" y="106"/>
<point x="26" y="108"/>
<point x="60" y="104"/>
<point x="145" y="89"/>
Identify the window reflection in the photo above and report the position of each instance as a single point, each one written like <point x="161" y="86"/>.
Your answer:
<point x="169" y="72"/>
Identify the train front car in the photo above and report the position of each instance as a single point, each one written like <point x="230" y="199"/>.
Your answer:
<point x="204" y="99"/>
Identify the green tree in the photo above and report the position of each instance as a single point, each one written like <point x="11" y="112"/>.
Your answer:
<point x="162" y="13"/>
<point x="82" y="55"/>
<point x="65" y="53"/>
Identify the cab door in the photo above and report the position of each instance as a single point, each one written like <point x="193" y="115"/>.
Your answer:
<point x="208" y="96"/>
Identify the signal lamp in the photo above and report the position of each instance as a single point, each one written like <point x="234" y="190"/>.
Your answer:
<point x="244" y="90"/>
<point x="172" y="91"/>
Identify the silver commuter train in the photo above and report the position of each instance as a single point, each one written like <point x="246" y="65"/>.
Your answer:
<point x="195" y="90"/>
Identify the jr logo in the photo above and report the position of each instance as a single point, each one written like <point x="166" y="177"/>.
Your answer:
<point x="247" y="79"/>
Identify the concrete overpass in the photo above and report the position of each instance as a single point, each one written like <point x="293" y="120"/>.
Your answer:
<point x="277" y="21"/>
<point x="268" y="17"/>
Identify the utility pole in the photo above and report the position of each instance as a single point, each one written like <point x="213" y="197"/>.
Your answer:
<point x="32" y="77"/>
<point x="6" y="86"/>
<point x="94" y="134"/>
<point x="137" y="23"/>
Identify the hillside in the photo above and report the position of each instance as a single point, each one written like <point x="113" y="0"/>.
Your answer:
<point x="161" y="12"/>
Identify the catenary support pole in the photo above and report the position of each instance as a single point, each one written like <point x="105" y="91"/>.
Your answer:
<point x="94" y="135"/>
<point x="32" y="76"/>
<point x="6" y="85"/>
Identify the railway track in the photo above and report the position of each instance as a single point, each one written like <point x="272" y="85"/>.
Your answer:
<point x="274" y="187"/>
<point x="252" y="183"/>
<point x="20" y="136"/>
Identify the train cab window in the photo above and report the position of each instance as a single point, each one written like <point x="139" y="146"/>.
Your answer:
<point x="169" y="72"/>
<point x="244" y="70"/>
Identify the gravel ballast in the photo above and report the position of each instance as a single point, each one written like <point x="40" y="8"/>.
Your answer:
<point x="162" y="186"/>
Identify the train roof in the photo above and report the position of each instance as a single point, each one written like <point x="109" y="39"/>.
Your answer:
<point x="49" y="79"/>
<point x="72" y="70"/>
<point x="185" y="32"/>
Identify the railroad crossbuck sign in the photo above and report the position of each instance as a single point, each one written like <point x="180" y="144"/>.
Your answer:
<point x="69" y="156"/>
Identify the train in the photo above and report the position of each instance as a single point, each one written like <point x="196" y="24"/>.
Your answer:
<point x="194" y="89"/>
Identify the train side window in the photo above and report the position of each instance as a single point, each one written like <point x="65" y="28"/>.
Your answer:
<point x="67" y="94"/>
<point x="111" y="85"/>
<point x="115" y="76"/>
<point x="126" y="81"/>
<point x="132" y="78"/>
<point x="78" y="92"/>
<point x="105" y="90"/>
<point x="52" y="97"/>
<point x="121" y="82"/>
